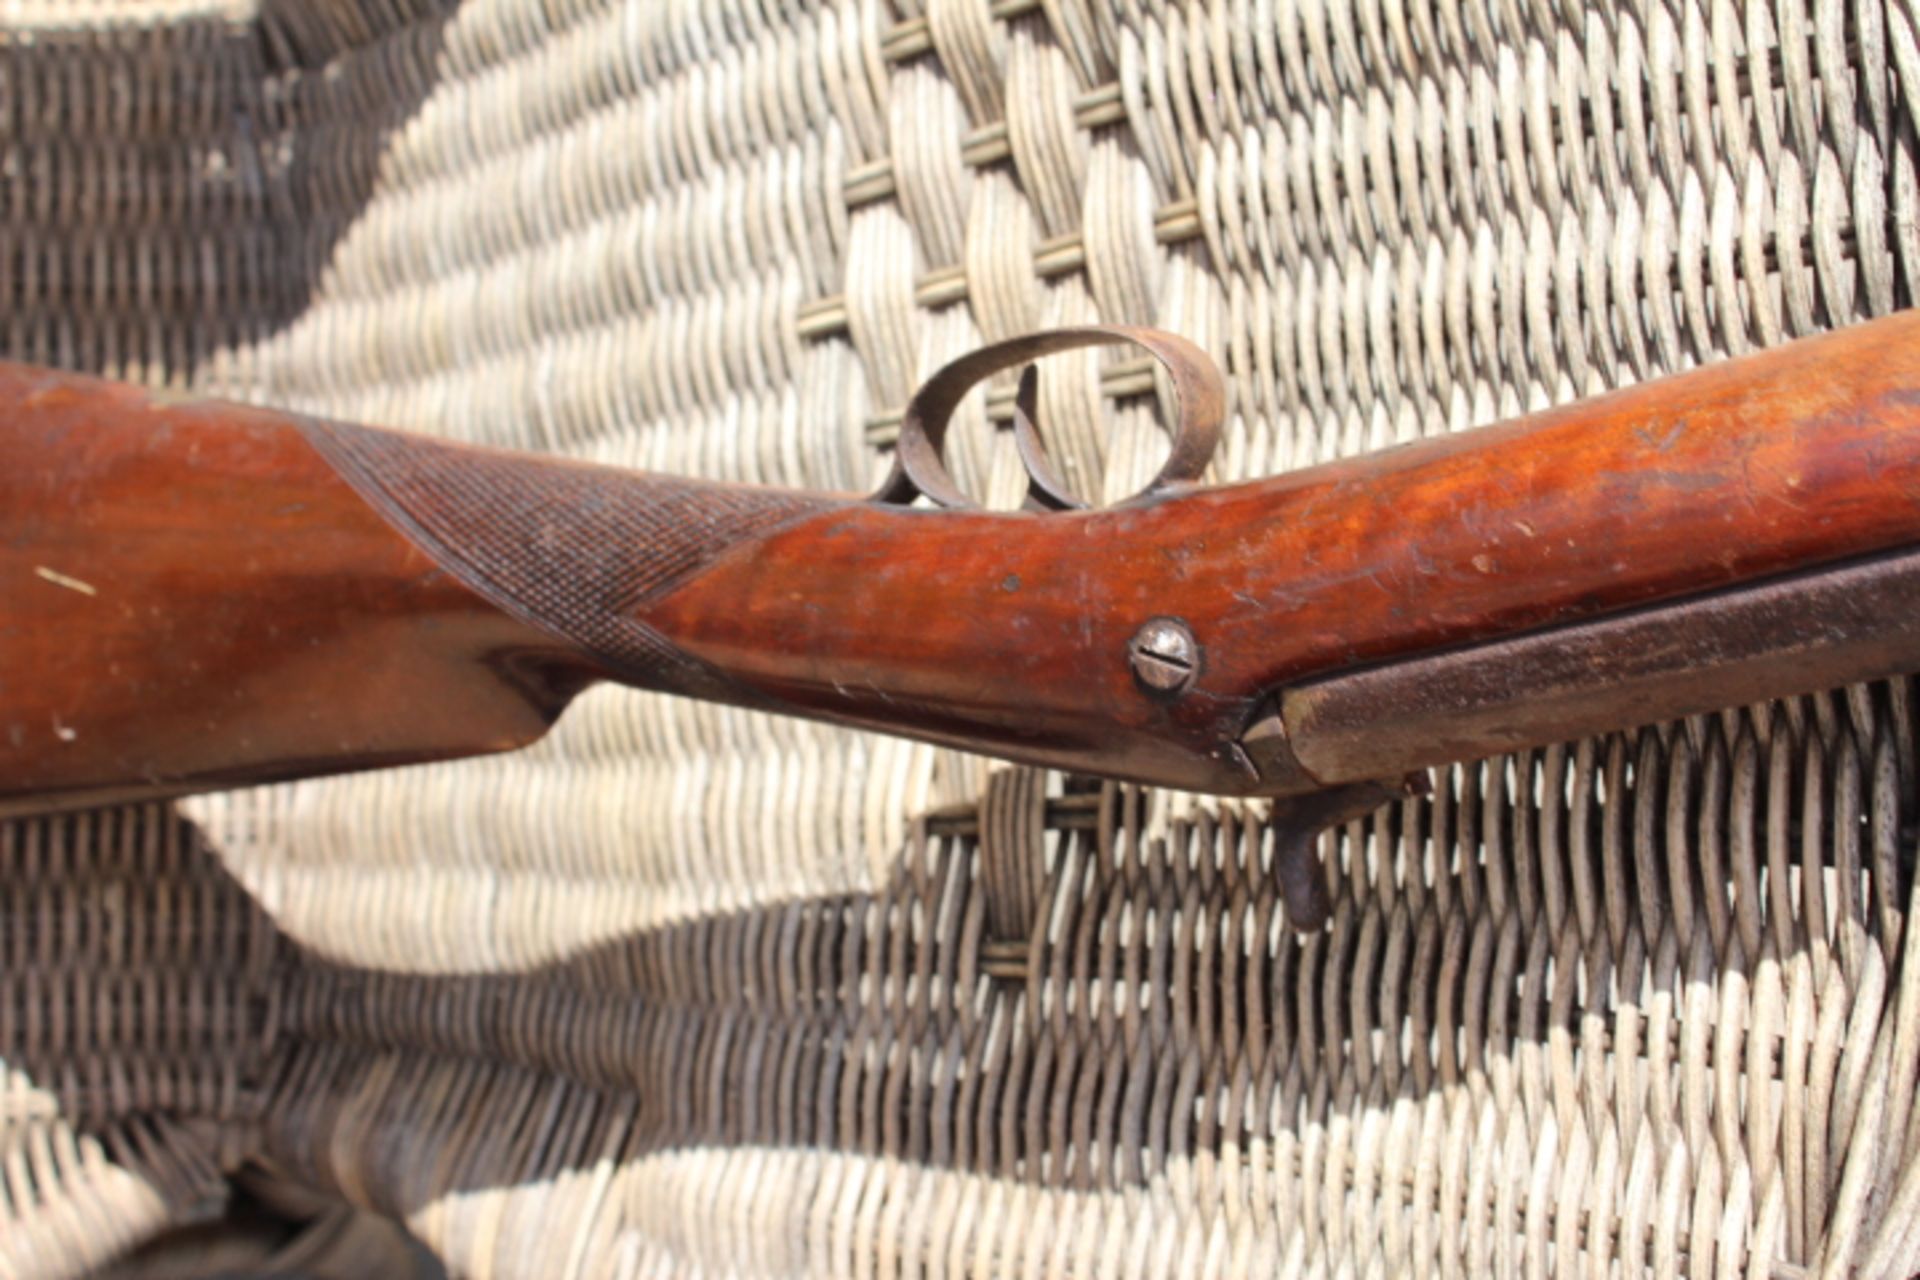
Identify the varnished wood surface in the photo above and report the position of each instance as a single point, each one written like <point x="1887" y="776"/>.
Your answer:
<point x="1013" y="629"/>
<point x="195" y="596"/>
<point x="191" y="597"/>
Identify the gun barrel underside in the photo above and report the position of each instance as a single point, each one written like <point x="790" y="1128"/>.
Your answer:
<point x="1799" y="633"/>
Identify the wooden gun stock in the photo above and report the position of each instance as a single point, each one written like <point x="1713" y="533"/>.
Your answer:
<point x="191" y="596"/>
<point x="195" y="595"/>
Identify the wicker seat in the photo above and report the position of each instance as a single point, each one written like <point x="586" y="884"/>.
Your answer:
<point x="685" y="989"/>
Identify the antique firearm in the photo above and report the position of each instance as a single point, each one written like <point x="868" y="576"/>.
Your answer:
<point x="196" y="595"/>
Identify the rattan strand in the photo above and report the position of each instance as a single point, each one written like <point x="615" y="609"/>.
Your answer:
<point x="686" y="989"/>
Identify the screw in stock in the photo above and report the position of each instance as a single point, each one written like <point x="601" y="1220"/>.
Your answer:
<point x="1164" y="655"/>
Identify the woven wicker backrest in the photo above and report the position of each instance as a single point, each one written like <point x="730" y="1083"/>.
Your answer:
<point x="686" y="989"/>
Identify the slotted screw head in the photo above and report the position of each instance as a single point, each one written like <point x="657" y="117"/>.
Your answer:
<point x="1164" y="655"/>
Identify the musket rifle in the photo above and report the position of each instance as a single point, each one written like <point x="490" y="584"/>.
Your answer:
<point x="197" y="595"/>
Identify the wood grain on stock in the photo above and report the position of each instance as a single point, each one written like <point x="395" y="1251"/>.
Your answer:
<point x="1013" y="629"/>
<point x="200" y="594"/>
<point x="191" y="596"/>
<point x="195" y="595"/>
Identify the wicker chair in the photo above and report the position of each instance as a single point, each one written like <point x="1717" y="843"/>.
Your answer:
<point x="688" y="990"/>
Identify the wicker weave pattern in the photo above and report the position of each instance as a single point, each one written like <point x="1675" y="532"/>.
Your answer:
<point x="1503" y="1042"/>
<point x="138" y="1005"/>
<point x="690" y="989"/>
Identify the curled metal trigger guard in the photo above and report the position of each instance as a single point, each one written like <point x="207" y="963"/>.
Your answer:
<point x="919" y="465"/>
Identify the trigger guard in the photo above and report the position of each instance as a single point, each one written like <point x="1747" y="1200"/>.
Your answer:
<point x="919" y="466"/>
